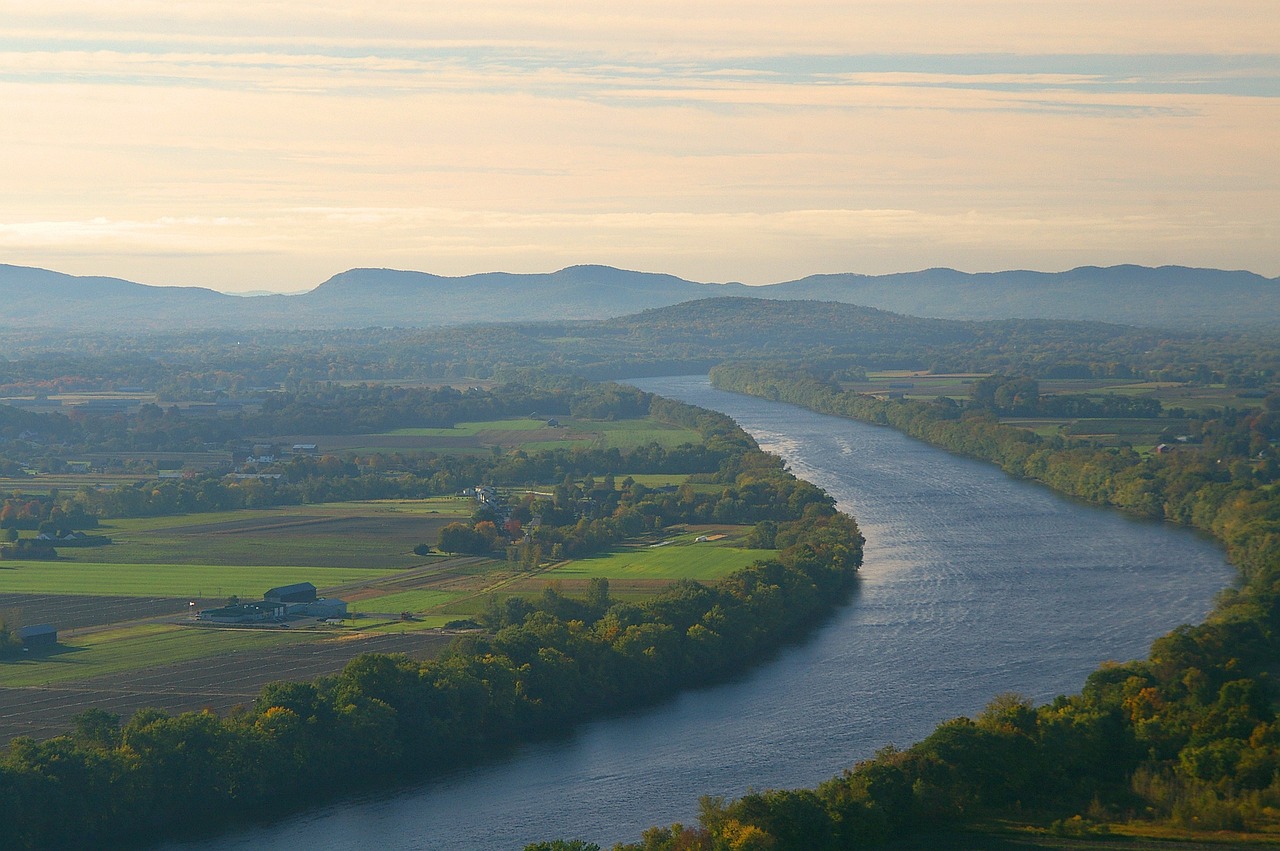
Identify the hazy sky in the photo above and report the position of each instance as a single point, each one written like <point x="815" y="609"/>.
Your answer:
<point x="268" y="145"/>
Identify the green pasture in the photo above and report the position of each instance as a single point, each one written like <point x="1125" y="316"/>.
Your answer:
<point x="405" y="601"/>
<point x="1122" y="426"/>
<point x="479" y="436"/>
<point x="445" y="506"/>
<point x="472" y="429"/>
<point x="166" y="580"/>
<point x="418" y="624"/>
<point x="1041" y="426"/>
<point x="376" y="534"/>
<point x="43" y="483"/>
<point x="129" y="648"/>
<point x="299" y="549"/>
<point x="654" y="480"/>
<point x="1092" y="386"/>
<point x="681" y="559"/>
<point x="112" y="528"/>
<point x="1138" y="432"/>
<point x="629" y="434"/>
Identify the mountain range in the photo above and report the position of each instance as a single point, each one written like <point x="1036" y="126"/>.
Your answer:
<point x="1168" y="296"/>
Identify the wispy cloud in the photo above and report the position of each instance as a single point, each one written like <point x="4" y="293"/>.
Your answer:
<point x="720" y="140"/>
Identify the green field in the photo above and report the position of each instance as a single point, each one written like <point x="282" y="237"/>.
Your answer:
<point x="628" y="434"/>
<point x="472" y="429"/>
<point x="128" y="648"/>
<point x="681" y="559"/>
<point x="405" y="601"/>
<point x="530" y="434"/>
<point x="654" y="480"/>
<point x="379" y="535"/>
<point x="165" y="580"/>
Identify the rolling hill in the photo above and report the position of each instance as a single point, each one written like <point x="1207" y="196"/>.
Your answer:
<point x="1171" y="296"/>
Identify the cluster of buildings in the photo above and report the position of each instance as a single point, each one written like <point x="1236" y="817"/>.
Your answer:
<point x="277" y="605"/>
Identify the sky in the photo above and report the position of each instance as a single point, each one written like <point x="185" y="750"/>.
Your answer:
<point x="270" y="145"/>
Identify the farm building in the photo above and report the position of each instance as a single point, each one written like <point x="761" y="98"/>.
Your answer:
<point x="322" y="608"/>
<point x="39" y="636"/>
<point x="299" y="592"/>
<point x="243" y="613"/>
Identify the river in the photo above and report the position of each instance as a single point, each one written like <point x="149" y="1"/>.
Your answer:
<point x="974" y="584"/>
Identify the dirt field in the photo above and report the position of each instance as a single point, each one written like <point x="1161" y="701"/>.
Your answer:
<point x="217" y="683"/>
<point x="75" y="611"/>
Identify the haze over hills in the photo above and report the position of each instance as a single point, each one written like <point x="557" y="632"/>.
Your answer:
<point x="1172" y="296"/>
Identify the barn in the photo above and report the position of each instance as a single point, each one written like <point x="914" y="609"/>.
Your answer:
<point x="299" y="592"/>
<point x="38" y="637"/>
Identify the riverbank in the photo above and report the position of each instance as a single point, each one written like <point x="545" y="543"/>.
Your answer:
<point x="1194" y="742"/>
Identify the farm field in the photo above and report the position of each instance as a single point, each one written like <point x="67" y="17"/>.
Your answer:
<point x="1141" y="434"/>
<point x="129" y="648"/>
<point x="376" y="535"/>
<point x="123" y="610"/>
<point x="165" y="580"/>
<point x="43" y="483"/>
<point x="77" y="611"/>
<point x="218" y="682"/>
<point x="655" y="480"/>
<point x="1172" y="394"/>
<point x="522" y="433"/>
<point x="923" y="385"/>
<point x="679" y="559"/>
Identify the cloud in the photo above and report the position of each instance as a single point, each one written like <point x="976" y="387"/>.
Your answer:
<point x="722" y="140"/>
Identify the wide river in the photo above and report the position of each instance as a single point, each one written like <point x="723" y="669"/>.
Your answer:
<point x="974" y="584"/>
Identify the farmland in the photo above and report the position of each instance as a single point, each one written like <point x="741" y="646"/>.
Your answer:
<point x="232" y="676"/>
<point x="124" y="609"/>
<point x="1176" y="398"/>
<point x="525" y="433"/>
<point x="680" y="557"/>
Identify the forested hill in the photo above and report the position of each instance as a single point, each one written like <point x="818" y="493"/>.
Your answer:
<point x="1169" y="296"/>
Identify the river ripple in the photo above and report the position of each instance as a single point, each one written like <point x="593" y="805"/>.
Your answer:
<point x="974" y="584"/>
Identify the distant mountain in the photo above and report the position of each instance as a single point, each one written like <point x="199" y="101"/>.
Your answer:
<point x="578" y="292"/>
<point x="1170" y="296"/>
<point x="38" y="298"/>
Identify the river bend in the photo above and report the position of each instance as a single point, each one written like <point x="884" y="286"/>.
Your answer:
<point x="975" y="583"/>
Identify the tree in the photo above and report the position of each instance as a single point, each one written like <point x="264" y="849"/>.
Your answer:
<point x="461" y="538"/>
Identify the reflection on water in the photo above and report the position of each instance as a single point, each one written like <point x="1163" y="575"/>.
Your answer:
<point x="974" y="584"/>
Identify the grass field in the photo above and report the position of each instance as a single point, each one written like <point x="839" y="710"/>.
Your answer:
<point x="166" y="580"/>
<point x="959" y="386"/>
<point x="379" y="535"/>
<point x="405" y="601"/>
<point x="123" y="612"/>
<point x="128" y="648"/>
<point x="472" y="429"/>
<point x="654" y="480"/>
<point x="681" y="559"/>
<point x="522" y="433"/>
<point x="1141" y="434"/>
